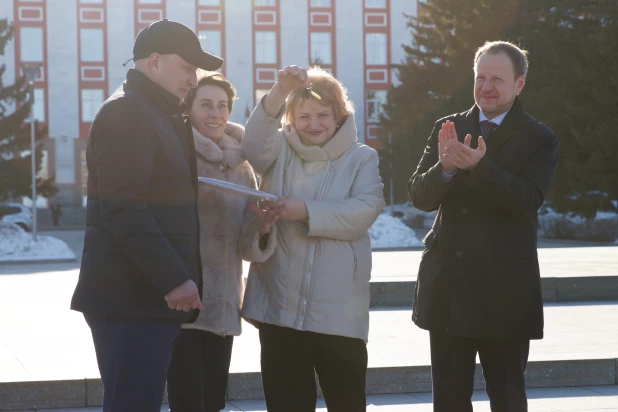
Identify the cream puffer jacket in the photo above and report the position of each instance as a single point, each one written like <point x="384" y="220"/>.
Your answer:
<point x="313" y="275"/>
<point x="221" y="215"/>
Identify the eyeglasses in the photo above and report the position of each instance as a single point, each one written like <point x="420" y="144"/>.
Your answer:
<point x="306" y="94"/>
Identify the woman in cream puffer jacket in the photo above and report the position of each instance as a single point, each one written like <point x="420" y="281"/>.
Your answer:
<point x="308" y="286"/>
<point x="197" y="378"/>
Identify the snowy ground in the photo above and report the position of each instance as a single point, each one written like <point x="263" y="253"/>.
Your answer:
<point x="602" y="227"/>
<point x="17" y="245"/>
<point x="552" y="225"/>
<point x="391" y="232"/>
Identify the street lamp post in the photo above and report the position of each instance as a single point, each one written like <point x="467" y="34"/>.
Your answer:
<point x="391" y="188"/>
<point x="31" y="70"/>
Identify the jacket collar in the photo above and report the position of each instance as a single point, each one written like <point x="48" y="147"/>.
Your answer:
<point x="343" y="139"/>
<point x="161" y="97"/>
<point x="227" y="151"/>
<point x="508" y="128"/>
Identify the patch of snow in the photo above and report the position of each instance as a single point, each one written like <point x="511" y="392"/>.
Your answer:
<point x="606" y="215"/>
<point x="16" y="244"/>
<point x="390" y="232"/>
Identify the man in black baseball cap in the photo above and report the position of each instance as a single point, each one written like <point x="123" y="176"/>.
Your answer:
<point x="140" y="276"/>
<point x="169" y="54"/>
<point x="170" y="37"/>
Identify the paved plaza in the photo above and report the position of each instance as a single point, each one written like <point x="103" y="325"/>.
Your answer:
<point x="580" y="399"/>
<point x="41" y="340"/>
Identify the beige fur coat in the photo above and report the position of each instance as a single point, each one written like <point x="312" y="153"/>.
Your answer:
<point x="221" y="215"/>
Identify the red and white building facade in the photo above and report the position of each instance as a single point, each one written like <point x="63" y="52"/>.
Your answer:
<point x="81" y="45"/>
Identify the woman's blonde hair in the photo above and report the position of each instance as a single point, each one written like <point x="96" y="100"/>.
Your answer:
<point x="331" y="91"/>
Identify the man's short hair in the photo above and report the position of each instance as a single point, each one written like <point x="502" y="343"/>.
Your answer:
<point x="518" y="56"/>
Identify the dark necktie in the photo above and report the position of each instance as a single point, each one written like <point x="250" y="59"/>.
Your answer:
<point x="487" y="128"/>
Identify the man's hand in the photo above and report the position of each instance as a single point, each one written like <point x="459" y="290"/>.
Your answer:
<point x="463" y="156"/>
<point x="185" y="297"/>
<point x="447" y="136"/>
<point x="289" y="208"/>
<point x="266" y="218"/>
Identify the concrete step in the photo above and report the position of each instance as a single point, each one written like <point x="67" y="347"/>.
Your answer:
<point x="569" y="273"/>
<point x="44" y="365"/>
<point x="400" y="293"/>
<point x="588" y="398"/>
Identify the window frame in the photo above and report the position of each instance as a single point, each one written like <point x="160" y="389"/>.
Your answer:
<point x="328" y="57"/>
<point x="262" y="57"/>
<point x="86" y="43"/>
<point x="376" y="103"/>
<point x="371" y="49"/>
<point x="369" y="4"/>
<point x="90" y="101"/>
<point x="26" y="46"/>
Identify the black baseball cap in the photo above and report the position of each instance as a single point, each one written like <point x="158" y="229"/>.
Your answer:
<point x="170" y="37"/>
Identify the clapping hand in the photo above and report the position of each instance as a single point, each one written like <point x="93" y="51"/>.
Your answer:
<point x="456" y="155"/>
<point x="447" y="135"/>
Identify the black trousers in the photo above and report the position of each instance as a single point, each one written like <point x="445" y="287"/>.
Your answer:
<point x="197" y="378"/>
<point x="453" y="360"/>
<point x="291" y="359"/>
<point x="133" y="358"/>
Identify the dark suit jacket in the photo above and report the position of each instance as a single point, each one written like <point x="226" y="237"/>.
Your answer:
<point x="479" y="274"/>
<point x="142" y="227"/>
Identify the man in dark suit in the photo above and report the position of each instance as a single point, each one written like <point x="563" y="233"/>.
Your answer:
<point x="140" y="268"/>
<point x="478" y="288"/>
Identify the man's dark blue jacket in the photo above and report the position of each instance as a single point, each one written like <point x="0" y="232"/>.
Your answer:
<point x="142" y="230"/>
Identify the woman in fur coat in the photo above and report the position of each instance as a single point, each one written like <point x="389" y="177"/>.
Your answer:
<point x="197" y="378"/>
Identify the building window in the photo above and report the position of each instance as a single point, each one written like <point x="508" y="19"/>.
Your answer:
<point x="375" y="101"/>
<point x="375" y="48"/>
<point x="92" y="99"/>
<point x="320" y="3"/>
<point x="31" y="44"/>
<point x="259" y="93"/>
<point x="321" y="48"/>
<point x="91" y="1"/>
<point x="91" y="45"/>
<point x="209" y="2"/>
<point x="39" y="104"/>
<point x="265" y="47"/>
<point x="268" y="3"/>
<point x="210" y="41"/>
<point x="149" y="1"/>
<point x="375" y="4"/>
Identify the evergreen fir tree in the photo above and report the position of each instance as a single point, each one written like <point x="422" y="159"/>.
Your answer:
<point x="15" y="147"/>
<point x="573" y="88"/>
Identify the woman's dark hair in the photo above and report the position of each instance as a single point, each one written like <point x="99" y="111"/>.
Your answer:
<point x="205" y="78"/>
